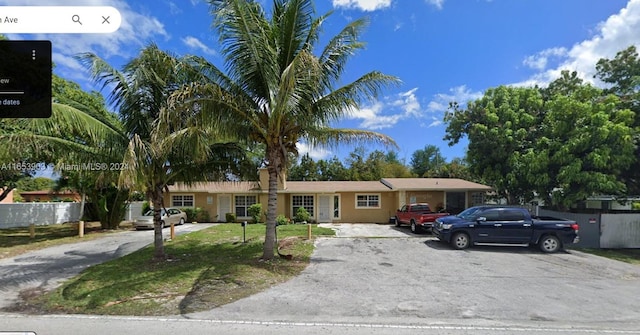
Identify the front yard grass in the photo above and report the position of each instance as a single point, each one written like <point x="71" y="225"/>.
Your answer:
<point x="205" y="269"/>
<point x="625" y="255"/>
<point x="16" y="241"/>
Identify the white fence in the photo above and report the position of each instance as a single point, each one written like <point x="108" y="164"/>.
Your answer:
<point x="39" y="213"/>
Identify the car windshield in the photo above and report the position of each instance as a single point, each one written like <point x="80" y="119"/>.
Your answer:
<point x="469" y="213"/>
<point x="150" y="212"/>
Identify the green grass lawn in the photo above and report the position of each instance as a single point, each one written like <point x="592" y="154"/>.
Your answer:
<point x="205" y="269"/>
<point x="625" y="255"/>
<point x="16" y="241"/>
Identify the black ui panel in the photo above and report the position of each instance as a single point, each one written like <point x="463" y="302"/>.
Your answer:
<point x="25" y="79"/>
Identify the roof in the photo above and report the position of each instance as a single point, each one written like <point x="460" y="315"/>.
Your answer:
<point x="48" y="192"/>
<point x="435" y="184"/>
<point x="217" y="187"/>
<point x="334" y="186"/>
<point x="384" y="185"/>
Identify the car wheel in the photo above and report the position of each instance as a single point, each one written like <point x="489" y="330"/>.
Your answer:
<point x="397" y="222"/>
<point x="549" y="244"/>
<point x="181" y="221"/>
<point x="414" y="227"/>
<point x="460" y="241"/>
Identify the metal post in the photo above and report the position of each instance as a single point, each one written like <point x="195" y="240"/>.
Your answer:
<point x="244" y="231"/>
<point x="308" y="231"/>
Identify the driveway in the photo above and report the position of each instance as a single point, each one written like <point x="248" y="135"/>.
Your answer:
<point x="407" y="278"/>
<point x="45" y="269"/>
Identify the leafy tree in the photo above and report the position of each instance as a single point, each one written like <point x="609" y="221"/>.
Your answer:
<point x="502" y="126"/>
<point x="457" y="168"/>
<point x="276" y="91"/>
<point x="307" y="169"/>
<point x="584" y="143"/>
<point x="623" y="74"/>
<point x="427" y="161"/>
<point x="333" y="169"/>
<point x="35" y="184"/>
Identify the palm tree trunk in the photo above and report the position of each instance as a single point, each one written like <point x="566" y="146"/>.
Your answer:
<point x="158" y="243"/>
<point x="272" y="204"/>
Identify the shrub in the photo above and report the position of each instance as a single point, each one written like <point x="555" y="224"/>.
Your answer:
<point x="197" y="215"/>
<point x="302" y="215"/>
<point x="230" y="217"/>
<point x="255" y="212"/>
<point x="635" y="206"/>
<point x="282" y="220"/>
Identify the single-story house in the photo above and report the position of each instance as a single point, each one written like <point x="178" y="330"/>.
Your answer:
<point x="328" y="201"/>
<point x="50" y="196"/>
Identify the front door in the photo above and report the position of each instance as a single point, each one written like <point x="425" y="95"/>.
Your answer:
<point x="324" y="208"/>
<point x="224" y="207"/>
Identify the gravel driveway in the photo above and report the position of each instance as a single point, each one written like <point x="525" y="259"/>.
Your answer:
<point x="405" y="278"/>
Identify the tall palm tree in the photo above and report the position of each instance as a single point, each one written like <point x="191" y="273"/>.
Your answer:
<point x="161" y="149"/>
<point x="276" y="91"/>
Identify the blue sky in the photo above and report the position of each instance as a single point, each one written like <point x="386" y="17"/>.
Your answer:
<point x="442" y="50"/>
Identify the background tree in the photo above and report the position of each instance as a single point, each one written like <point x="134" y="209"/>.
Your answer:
<point x="502" y="126"/>
<point x="584" y="144"/>
<point x="35" y="184"/>
<point x="623" y="74"/>
<point x="426" y="161"/>
<point x="276" y="91"/>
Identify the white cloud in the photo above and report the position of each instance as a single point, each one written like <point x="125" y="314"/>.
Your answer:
<point x="364" y="5"/>
<point x="437" y="3"/>
<point x="460" y="94"/>
<point x="402" y="106"/>
<point x="539" y="61"/>
<point x="616" y="33"/>
<point x="195" y="43"/>
<point x="314" y="152"/>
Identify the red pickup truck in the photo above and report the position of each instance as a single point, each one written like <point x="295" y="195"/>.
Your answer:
<point x="418" y="216"/>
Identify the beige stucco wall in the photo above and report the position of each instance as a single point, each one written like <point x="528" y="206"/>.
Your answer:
<point x="350" y="214"/>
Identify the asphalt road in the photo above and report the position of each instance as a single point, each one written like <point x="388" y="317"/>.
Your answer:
<point x="407" y="284"/>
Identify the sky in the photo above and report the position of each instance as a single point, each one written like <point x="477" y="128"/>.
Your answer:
<point x="442" y="50"/>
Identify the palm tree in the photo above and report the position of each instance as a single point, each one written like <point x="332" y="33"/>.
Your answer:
<point x="276" y="91"/>
<point x="160" y="149"/>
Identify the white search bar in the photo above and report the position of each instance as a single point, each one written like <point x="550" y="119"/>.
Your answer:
<point x="59" y="19"/>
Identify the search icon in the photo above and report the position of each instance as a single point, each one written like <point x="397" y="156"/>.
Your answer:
<point x="76" y="18"/>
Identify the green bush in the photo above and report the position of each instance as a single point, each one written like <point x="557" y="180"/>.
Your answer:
<point x="302" y="215"/>
<point x="230" y="217"/>
<point x="635" y="206"/>
<point x="197" y="215"/>
<point x="255" y="212"/>
<point x="282" y="220"/>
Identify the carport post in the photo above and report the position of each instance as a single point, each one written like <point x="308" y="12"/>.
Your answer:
<point x="32" y="230"/>
<point x="81" y="229"/>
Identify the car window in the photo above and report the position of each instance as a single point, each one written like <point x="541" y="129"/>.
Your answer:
<point x="404" y="208"/>
<point x="512" y="215"/>
<point x="491" y="214"/>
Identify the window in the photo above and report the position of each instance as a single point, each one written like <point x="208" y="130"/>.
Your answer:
<point x="477" y="198"/>
<point x="305" y="201"/>
<point x="367" y="201"/>
<point x="512" y="215"/>
<point x="242" y="204"/>
<point x="182" y="201"/>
